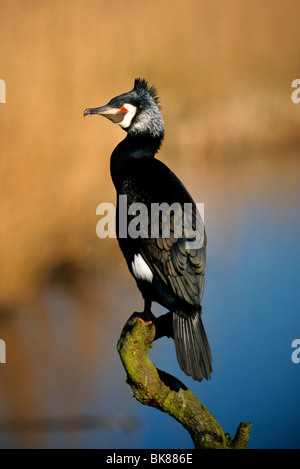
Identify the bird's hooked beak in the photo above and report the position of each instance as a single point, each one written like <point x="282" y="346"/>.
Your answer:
<point x="116" y="115"/>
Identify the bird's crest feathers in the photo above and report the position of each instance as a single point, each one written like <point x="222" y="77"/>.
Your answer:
<point x="141" y="83"/>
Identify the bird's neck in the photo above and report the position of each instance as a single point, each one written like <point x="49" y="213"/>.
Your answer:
<point x="132" y="147"/>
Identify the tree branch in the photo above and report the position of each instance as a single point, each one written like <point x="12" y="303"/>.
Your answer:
<point x="158" y="389"/>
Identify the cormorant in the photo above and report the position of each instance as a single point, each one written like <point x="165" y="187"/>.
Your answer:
<point x="167" y="266"/>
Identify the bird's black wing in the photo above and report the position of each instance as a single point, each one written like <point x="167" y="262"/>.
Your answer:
<point x="177" y="265"/>
<point x="176" y="260"/>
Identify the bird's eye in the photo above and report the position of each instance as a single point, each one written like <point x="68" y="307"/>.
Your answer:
<point x="120" y="104"/>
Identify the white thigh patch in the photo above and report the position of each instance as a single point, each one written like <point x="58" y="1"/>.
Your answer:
<point x="140" y="268"/>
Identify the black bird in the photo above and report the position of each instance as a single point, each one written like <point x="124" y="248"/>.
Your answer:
<point x="167" y="269"/>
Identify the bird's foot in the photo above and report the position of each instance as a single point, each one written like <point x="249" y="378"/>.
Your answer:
<point x="146" y="315"/>
<point x="163" y="324"/>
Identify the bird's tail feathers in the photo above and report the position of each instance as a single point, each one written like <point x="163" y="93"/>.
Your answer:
<point x="192" y="347"/>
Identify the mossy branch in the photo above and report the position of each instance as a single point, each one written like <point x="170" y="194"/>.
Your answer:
<point x="158" y="389"/>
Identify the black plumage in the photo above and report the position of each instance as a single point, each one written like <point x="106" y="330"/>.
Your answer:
<point x="166" y="268"/>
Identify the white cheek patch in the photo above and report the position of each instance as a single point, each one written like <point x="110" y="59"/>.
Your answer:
<point x="140" y="269"/>
<point x="131" y="111"/>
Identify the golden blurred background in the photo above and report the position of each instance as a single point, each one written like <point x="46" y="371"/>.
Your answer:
<point x="224" y="76"/>
<point x="223" y="71"/>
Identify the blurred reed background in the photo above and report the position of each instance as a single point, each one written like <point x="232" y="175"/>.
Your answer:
<point x="223" y="71"/>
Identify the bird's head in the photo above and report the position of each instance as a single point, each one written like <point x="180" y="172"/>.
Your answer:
<point x="136" y="111"/>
